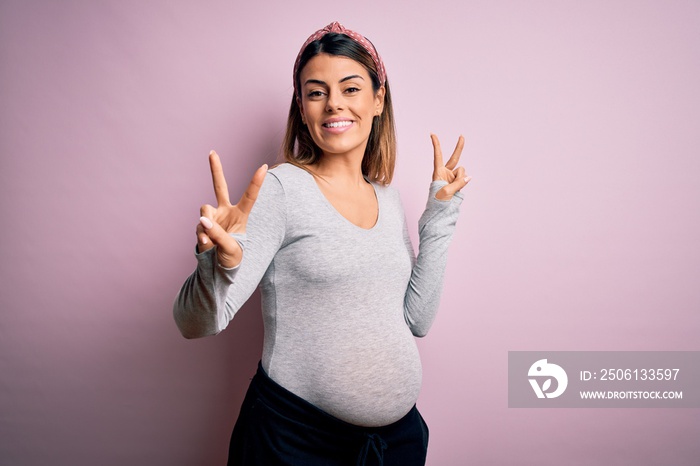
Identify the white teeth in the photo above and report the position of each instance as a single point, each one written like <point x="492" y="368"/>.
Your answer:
<point x="338" y="124"/>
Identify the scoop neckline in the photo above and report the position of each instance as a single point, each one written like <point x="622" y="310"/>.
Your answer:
<point x="335" y="211"/>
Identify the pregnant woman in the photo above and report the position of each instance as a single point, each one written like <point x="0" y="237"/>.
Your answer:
<point x="343" y="294"/>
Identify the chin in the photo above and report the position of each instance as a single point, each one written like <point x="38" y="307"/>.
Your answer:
<point x="340" y="150"/>
<point x="342" y="147"/>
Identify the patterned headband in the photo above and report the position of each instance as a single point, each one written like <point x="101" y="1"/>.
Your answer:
<point x="338" y="28"/>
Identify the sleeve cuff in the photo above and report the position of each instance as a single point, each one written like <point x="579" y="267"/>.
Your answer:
<point x="208" y="257"/>
<point x="435" y="186"/>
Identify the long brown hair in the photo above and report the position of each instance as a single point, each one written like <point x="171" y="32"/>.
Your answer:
<point x="380" y="154"/>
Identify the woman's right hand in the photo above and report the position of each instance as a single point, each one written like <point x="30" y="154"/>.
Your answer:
<point x="216" y="223"/>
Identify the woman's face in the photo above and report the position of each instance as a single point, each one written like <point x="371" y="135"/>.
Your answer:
<point x="338" y="104"/>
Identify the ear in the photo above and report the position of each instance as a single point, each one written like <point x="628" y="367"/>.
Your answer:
<point x="379" y="101"/>
<point x="301" y="110"/>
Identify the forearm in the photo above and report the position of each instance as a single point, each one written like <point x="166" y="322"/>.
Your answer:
<point x="435" y="227"/>
<point x="200" y="308"/>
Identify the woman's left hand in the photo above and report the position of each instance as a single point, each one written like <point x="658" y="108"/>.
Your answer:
<point x="456" y="177"/>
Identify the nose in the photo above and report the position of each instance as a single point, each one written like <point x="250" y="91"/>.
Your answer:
<point x="335" y="101"/>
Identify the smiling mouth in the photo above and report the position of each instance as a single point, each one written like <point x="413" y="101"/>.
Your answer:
<point x="337" y="124"/>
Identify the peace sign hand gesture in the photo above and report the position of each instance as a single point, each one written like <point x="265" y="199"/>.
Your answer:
<point x="215" y="224"/>
<point x="456" y="177"/>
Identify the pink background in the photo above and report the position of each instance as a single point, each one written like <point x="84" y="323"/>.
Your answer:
<point x="579" y="230"/>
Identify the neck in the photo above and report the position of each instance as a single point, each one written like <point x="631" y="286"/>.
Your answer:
<point x="340" y="169"/>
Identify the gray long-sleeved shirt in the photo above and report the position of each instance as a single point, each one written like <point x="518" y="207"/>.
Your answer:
<point x="340" y="303"/>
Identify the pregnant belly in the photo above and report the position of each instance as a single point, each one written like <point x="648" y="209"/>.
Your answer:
<point x="364" y="376"/>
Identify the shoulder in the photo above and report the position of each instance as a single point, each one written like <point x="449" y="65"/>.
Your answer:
<point x="280" y="176"/>
<point x="271" y="203"/>
<point x="388" y="193"/>
<point x="290" y="177"/>
<point x="286" y="171"/>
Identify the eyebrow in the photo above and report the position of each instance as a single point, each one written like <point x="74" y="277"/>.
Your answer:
<point x="346" y="78"/>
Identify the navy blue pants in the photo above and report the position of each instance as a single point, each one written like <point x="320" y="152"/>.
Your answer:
<point x="276" y="427"/>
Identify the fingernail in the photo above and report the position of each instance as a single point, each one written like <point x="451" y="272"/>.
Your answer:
<point x="204" y="240"/>
<point x="206" y="223"/>
<point x="265" y="165"/>
<point x="211" y="152"/>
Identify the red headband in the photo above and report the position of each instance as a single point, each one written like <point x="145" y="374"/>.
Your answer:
<point x="338" y="28"/>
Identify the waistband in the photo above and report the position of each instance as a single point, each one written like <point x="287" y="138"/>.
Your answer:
<point x="370" y="439"/>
